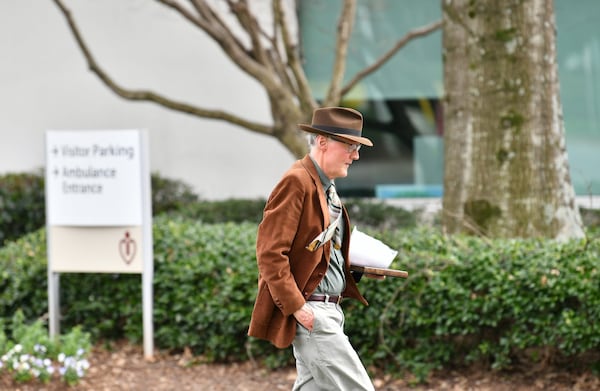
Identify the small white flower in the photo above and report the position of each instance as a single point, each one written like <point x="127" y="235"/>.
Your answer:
<point x="18" y="348"/>
<point x="70" y="362"/>
<point x="61" y="357"/>
<point x="47" y="362"/>
<point x="86" y="364"/>
<point x="80" y="352"/>
<point x="50" y="369"/>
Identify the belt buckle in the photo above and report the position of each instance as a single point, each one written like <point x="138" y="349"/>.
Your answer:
<point x="329" y="299"/>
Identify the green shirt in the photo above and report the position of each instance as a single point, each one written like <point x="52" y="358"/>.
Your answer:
<point x="334" y="282"/>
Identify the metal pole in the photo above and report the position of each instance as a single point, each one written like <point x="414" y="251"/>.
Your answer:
<point x="53" y="289"/>
<point x="53" y="278"/>
<point x="147" y="314"/>
<point x="53" y="304"/>
<point x="148" y="253"/>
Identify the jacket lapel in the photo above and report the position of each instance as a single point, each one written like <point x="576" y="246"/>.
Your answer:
<point x="309" y="166"/>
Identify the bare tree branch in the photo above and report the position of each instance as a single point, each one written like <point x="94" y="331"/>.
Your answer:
<point x="305" y="95"/>
<point x="212" y="24"/>
<point x="418" y="32"/>
<point x="249" y="23"/>
<point x="345" y="25"/>
<point x="142" y="95"/>
<point x="278" y="54"/>
<point x="281" y="70"/>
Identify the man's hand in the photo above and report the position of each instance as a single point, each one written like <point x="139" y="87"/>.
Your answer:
<point x="305" y="317"/>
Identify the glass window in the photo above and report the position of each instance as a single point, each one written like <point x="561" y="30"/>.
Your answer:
<point x="401" y="104"/>
<point x="578" y="47"/>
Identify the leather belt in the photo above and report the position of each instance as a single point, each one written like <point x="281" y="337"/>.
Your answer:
<point x="325" y="298"/>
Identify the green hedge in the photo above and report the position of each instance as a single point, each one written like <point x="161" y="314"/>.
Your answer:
<point x="500" y="302"/>
<point x="22" y="205"/>
<point x="225" y="211"/>
<point x="202" y="298"/>
<point x="365" y="213"/>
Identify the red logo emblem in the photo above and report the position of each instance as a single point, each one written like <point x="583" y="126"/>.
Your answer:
<point x="127" y="248"/>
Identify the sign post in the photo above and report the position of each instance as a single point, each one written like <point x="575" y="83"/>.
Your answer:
<point x="99" y="212"/>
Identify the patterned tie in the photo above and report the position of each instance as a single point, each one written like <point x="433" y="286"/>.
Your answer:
<point x="335" y="209"/>
<point x="333" y="231"/>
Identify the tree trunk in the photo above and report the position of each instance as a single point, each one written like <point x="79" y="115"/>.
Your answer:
<point x="506" y="166"/>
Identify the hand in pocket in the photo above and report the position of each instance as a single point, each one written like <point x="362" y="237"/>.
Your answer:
<point x="305" y="317"/>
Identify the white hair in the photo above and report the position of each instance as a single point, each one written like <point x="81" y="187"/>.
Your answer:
<point x="311" y="138"/>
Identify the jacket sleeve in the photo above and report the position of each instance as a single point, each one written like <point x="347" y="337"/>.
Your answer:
<point x="275" y="238"/>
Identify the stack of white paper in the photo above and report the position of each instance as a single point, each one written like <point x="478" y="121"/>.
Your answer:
<point x="365" y="250"/>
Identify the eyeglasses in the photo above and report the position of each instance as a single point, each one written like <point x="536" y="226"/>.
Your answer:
<point x="349" y="147"/>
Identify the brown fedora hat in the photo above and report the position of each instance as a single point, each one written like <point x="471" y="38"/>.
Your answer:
<point x="338" y="122"/>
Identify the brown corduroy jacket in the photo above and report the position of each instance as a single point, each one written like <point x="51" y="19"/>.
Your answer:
<point x="295" y="213"/>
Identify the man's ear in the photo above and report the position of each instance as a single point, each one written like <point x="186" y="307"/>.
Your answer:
<point x="321" y="141"/>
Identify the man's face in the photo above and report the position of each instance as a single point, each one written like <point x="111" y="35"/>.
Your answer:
<point x="337" y="157"/>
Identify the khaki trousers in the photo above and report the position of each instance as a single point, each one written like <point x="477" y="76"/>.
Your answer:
<point x="325" y="360"/>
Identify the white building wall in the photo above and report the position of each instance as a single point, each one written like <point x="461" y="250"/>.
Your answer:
<point x="45" y="84"/>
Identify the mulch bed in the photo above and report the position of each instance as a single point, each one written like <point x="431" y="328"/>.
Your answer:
<point x="123" y="368"/>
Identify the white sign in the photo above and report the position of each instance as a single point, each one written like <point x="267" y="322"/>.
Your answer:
<point x="86" y="172"/>
<point x="99" y="212"/>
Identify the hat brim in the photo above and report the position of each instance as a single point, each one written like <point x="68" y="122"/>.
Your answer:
<point x="347" y="137"/>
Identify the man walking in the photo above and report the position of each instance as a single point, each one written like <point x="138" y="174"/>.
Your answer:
<point x="302" y="254"/>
